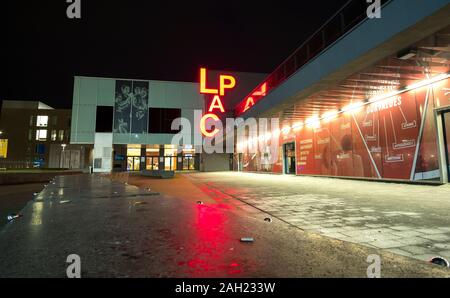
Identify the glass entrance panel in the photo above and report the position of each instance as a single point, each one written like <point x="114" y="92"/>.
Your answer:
<point x="188" y="163"/>
<point x="130" y="163"/>
<point x="447" y="140"/>
<point x="137" y="163"/>
<point x="152" y="163"/>
<point x="289" y="158"/>
<point x="170" y="163"/>
<point x="133" y="163"/>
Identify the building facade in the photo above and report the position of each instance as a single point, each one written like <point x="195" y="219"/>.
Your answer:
<point x="34" y="135"/>
<point x="128" y="123"/>
<point x="368" y="101"/>
<point x="361" y="98"/>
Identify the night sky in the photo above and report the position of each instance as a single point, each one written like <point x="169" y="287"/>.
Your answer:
<point x="159" y="40"/>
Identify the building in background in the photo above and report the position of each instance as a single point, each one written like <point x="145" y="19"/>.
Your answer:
<point x="34" y="135"/>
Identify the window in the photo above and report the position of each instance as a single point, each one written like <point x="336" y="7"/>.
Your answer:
<point x="30" y="135"/>
<point x="61" y="135"/>
<point x="41" y="135"/>
<point x="54" y="120"/>
<point x="40" y="149"/>
<point x="104" y="120"/>
<point x="42" y="121"/>
<point x="160" y="120"/>
<point x="53" y="135"/>
<point x="31" y="120"/>
<point x="152" y="152"/>
<point x="133" y="152"/>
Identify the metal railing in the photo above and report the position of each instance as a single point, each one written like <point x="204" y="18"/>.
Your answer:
<point x="15" y="165"/>
<point x="353" y="13"/>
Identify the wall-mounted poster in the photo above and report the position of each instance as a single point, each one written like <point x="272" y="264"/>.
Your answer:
<point x="131" y="107"/>
<point x="139" y="107"/>
<point x="122" y="107"/>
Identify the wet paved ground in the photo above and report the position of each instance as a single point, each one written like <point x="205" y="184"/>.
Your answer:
<point x="120" y="230"/>
<point x="410" y="220"/>
<point x="14" y="198"/>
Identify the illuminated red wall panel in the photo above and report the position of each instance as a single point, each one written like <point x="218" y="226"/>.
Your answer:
<point x="322" y="151"/>
<point x="393" y="138"/>
<point x="305" y="152"/>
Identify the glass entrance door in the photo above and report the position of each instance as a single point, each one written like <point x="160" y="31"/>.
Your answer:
<point x="152" y="163"/>
<point x="188" y="163"/>
<point x="170" y="163"/>
<point x="133" y="164"/>
<point x="446" y="119"/>
<point x="289" y="159"/>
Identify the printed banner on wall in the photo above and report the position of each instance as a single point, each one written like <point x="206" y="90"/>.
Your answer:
<point x="131" y="107"/>
<point x="442" y="93"/>
<point x="394" y="138"/>
<point x="139" y="108"/>
<point x="122" y="107"/>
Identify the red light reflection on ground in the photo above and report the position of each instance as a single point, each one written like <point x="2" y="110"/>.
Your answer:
<point x="212" y="245"/>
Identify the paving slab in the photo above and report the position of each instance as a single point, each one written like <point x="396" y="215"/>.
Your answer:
<point x="403" y="210"/>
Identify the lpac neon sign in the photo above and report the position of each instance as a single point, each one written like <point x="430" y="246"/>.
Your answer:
<point x="226" y="83"/>
<point x="250" y="102"/>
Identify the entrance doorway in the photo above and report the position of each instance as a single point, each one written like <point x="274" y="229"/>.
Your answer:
<point x="446" y="126"/>
<point x="289" y="159"/>
<point x="188" y="163"/>
<point x="133" y="164"/>
<point x="152" y="163"/>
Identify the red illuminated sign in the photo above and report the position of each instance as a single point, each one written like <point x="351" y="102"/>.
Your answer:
<point x="216" y="104"/>
<point x="226" y="83"/>
<point x="254" y="98"/>
<point x="205" y="132"/>
<point x="250" y="103"/>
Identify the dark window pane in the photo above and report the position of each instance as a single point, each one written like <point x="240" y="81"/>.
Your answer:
<point x="154" y="123"/>
<point x="160" y="121"/>
<point x="169" y="116"/>
<point x="40" y="149"/>
<point x="104" y="121"/>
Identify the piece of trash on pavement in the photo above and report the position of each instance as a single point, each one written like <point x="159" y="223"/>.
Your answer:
<point x="440" y="261"/>
<point x="140" y="203"/>
<point x="268" y="219"/>
<point x="65" y="202"/>
<point x="247" y="240"/>
<point x="13" y="217"/>
<point x="199" y="203"/>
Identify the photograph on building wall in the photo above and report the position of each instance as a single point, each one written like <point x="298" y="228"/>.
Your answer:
<point x="122" y="106"/>
<point x="131" y="107"/>
<point x="139" y="107"/>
